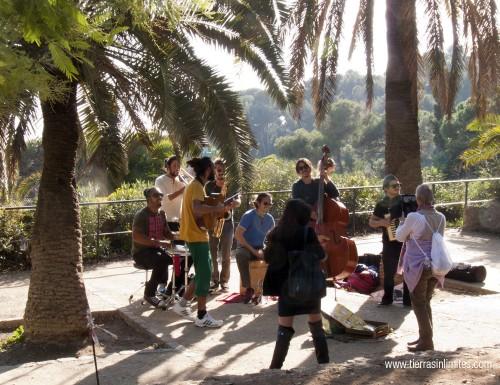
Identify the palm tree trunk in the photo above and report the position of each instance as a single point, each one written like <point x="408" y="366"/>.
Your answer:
<point x="57" y="305"/>
<point x="402" y="150"/>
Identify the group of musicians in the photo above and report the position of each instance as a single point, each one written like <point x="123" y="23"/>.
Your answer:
<point x="175" y="205"/>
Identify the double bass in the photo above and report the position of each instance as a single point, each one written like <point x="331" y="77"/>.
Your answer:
<point x="331" y="223"/>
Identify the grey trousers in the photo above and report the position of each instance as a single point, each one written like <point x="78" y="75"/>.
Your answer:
<point x="222" y="246"/>
<point x="243" y="258"/>
<point x="421" y="303"/>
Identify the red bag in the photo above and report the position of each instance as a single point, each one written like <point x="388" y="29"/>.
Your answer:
<point x="364" y="282"/>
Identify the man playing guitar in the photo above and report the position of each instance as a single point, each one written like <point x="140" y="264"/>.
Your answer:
<point x="196" y="238"/>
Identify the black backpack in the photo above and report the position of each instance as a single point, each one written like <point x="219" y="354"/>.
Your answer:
<point x="306" y="280"/>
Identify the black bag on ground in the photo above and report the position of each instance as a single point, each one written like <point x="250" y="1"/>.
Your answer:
<point x="306" y="280"/>
<point x="467" y="273"/>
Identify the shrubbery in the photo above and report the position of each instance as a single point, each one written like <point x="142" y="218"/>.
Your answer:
<point x="15" y="226"/>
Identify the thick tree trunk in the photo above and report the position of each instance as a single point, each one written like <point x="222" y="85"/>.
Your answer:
<point x="57" y="303"/>
<point x="402" y="149"/>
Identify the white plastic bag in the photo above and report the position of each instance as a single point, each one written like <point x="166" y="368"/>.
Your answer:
<point x="441" y="262"/>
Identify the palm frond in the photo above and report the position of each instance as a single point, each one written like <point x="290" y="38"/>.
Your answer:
<point x="100" y="124"/>
<point x="434" y="56"/>
<point x="303" y="19"/>
<point x="209" y="109"/>
<point x="486" y="145"/>
<point x="363" y="27"/>
<point x="457" y="60"/>
<point x="264" y="57"/>
<point x="484" y="63"/>
<point x="325" y="67"/>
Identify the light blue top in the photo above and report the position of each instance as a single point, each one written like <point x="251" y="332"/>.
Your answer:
<point x="256" y="227"/>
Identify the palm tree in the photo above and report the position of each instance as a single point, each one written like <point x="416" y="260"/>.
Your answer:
<point x="130" y="62"/>
<point x="317" y="28"/>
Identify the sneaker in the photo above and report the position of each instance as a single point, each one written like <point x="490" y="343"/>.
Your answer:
<point x="208" y="322"/>
<point x="183" y="311"/>
<point x="156" y="302"/>
<point x="224" y="287"/>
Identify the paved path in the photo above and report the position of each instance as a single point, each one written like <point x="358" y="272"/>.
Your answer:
<point x="245" y="343"/>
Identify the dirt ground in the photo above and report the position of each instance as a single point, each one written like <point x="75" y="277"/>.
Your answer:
<point x="445" y="368"/>
<point x="113" y="335"/>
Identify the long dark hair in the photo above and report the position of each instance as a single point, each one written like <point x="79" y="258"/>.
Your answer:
<point x="200" y="165"/>
<point x="297" y="214"/>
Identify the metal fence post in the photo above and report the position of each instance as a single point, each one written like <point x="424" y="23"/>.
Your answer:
<point x="354" y="212"/>
<point x="98" y="230"/>
<point x="466" y="194"/>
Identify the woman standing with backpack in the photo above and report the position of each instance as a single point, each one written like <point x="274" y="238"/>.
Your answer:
<point x="416" y="231"/>
<point x="291" y="234"/>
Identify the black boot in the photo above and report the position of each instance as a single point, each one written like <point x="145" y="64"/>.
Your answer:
<point x="319" y="340"/>
<point x="281" y="349"/>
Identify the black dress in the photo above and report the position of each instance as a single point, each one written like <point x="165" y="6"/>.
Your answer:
<point x="275" y="281"/>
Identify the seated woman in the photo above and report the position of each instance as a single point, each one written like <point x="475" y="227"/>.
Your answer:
<point x="292" y="233"/>
<point x="416" y="231"/>
<point x="250" y="234"/>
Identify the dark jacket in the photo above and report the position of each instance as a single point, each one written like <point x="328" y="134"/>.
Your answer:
<point x="276" y="255"/>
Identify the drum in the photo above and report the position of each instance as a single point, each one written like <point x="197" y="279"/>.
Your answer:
<point x="179" y="250"/>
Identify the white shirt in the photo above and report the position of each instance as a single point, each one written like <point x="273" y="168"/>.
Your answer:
<point x="415" y="226"/>
<point x="167" y="186"/>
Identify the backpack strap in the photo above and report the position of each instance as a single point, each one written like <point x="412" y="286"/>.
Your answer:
<point x="430" y="227"/>
<point x="416" y="242"/>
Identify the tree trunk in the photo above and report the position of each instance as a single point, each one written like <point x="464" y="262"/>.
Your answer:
<point x="402" y="149"/>
<point x="57" y="305"/>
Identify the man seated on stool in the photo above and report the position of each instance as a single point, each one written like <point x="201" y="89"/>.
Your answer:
<point x="250" y="234"/>
<point x="150" y="234"/>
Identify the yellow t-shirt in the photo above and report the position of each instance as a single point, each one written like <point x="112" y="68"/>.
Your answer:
<point x="190" y="231"/>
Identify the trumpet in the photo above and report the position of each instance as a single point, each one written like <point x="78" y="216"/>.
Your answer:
<point x="185" y="176"/>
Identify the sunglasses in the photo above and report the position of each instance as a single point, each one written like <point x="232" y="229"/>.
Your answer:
<point x="157" y="195"/>
<point x="267" y="203"/>
<point x="302" y="168"/>
<point x="395" y="185"/>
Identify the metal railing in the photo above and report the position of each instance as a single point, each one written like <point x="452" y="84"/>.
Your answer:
<point x="349" y="196"/>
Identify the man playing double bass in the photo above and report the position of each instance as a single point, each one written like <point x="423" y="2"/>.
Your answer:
<point x="307" y="187"/>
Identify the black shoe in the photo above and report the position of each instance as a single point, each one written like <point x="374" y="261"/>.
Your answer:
<point x="156" y="302"/>
<point x="385" y="302"/>
<point x="213" y="287"/>
<point x="406" y="304"/>
<point x="248" y="295"/>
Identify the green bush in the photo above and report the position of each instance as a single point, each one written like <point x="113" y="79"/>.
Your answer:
<point x="14" y="227"/>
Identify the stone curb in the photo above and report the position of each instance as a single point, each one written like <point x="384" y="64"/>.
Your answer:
<point x="140" y="325"/>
